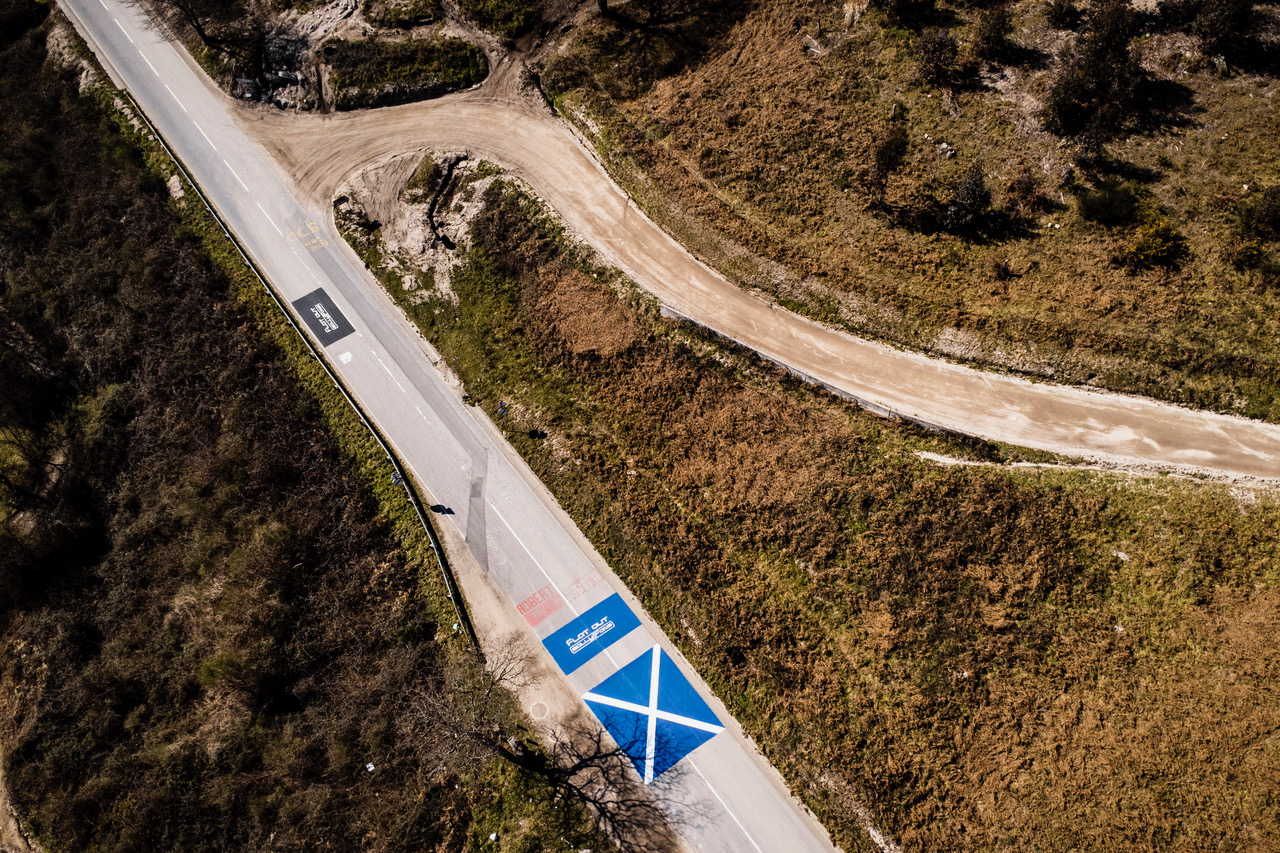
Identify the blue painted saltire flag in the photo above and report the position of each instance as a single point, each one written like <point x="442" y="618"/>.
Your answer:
<point x="591" y="633"/>
<point x="653" y="713"/>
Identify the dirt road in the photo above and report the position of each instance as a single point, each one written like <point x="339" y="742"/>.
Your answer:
<point x="500" y="123"/>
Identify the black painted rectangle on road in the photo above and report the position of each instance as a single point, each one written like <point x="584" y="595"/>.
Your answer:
<point x="324" y="318"/>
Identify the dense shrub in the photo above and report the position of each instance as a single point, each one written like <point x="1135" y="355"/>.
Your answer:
<point x="1111" y="202"/>
<point x="938" y="55"/>
<point x="991" y="34"/>
<point x="970" y="200"/>
<point x="1062" y="14"/>
<point x="377" y="73"/>
<point x="907" y="13"/>
<point x="402" y="14"/>
<point x="508" y="18"/>
<point x="1093" y="93"/>
<point x="1158" y="244"/>
<point x="1222" y="27"/>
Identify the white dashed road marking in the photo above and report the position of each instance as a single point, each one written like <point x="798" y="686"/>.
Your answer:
<point x="149" y="65"/>
<point x="388" y="370"/>
<point x="123" y="30"/>
<point x="205" y="135"/>
<point x="268" y="215"/>
<point x="233" y="172"/>
<point x="176" y="98"/>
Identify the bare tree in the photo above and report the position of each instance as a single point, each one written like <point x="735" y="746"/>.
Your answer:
<point x="472" y="716"/>
<point x="231" y="27"/>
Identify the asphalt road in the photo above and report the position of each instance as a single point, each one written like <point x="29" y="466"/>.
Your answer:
<point x="726" y="796"/>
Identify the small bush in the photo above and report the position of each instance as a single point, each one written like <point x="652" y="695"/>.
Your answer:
<point x="970" y="200"/>
<point x="991" y="35"/>
<point x="886" y="156"/>
<point x="1261" y="218"/>
<point x="1112" y="202"/>
<point x="938" y="55"/>
<point x="1157" y="245"/>
<point x="1022" y="193"/>
<point x="998" y="268"/>
<point x="1248" y="255"/>
<point x="1062" y="14"/>
<point x="402" y="14"/>
<point x="907" y="13"/>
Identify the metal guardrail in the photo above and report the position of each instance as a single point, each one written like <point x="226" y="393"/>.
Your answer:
<point x="399" y="473"/>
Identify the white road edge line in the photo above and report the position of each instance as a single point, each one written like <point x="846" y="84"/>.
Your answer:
<point x="149" y="65"/>
<point x="728" y="811"/>
<point x="126" y="32"/>
<point x="176" y="98"/>
<point x="233" y="172"/>
<point x="268" y="215"/>
<point x="206" y="137"/>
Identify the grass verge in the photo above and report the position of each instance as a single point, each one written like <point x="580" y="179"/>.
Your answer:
<point x="986" y="658"/>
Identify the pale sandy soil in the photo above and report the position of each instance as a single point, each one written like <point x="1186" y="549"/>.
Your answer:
<point x="504" y="122"/>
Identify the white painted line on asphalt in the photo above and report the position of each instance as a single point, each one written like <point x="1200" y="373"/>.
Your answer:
<point x="233" y="172"/>
<point x="104" y="5"/>
<point x="176" y="98"/>
<point x="419" y="411"/>
<point x="149" y="65"/>
<point x="554" y="585"/>
<point x="652" y="740"/>
<point x="123" y="30"/>
<point x="268" y="215"/>
<point x="294" y="247"/>
<point x="206" y="136"/>
<point x="387" y="369"/>
<point x="728" y="811"/>
<point x="652" y="709"/>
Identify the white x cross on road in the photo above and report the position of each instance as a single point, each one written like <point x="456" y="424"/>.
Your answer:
<point x="652" y="713"/>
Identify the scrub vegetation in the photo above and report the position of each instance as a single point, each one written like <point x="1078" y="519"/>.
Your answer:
<point x="984" y="657"/>
<point x="381" y="73"/>
<point x="1063" y="189"/>
<point x="216" y="614"/>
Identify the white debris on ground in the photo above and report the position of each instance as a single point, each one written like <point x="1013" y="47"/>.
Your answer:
<point x="1244" y="489"/>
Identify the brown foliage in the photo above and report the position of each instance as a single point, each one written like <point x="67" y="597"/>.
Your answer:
<point x="939" y="645"/>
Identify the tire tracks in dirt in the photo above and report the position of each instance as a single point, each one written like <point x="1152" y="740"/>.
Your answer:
<point x="505" y="122"/>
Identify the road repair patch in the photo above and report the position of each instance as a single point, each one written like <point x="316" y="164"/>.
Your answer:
<point x="653" y="713"/>
<point x="323" y="317"/>
<point x="591" y="633"/>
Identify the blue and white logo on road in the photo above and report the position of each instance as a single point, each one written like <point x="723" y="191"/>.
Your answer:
<point x="653" y="713"/>
<point x="591" y="633"/>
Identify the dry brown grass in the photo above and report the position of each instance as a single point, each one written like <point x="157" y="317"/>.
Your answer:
<point x="963" y="651"/>
<point x="757" y="138"/>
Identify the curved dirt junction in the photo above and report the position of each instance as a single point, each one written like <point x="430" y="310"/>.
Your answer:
<point x="501" y="123"/>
